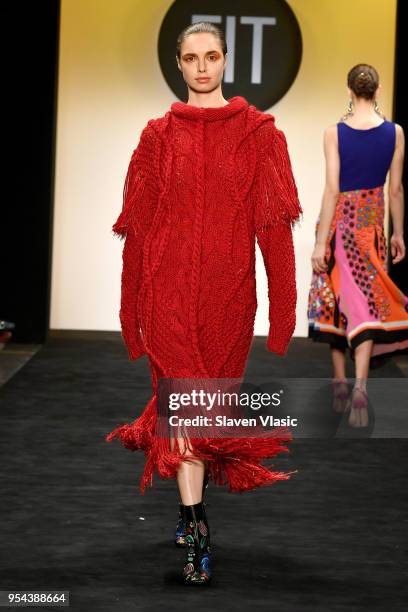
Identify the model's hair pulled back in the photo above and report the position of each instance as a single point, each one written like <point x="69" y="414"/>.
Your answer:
<point x="363" y="81"/>
<point x="201" y="26"/>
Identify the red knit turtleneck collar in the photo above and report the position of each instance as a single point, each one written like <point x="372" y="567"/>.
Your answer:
<point x="212" y="113"/>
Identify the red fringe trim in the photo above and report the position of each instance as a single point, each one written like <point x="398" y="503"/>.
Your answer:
<point x="231" y="461"/>
<point x="278" y="198"/>
<point x="133" y="189"/>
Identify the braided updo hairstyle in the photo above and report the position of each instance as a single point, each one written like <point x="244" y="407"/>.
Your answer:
<point x="363" y="80"/>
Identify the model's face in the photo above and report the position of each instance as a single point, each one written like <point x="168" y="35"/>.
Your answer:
<point x="202" y="62"/>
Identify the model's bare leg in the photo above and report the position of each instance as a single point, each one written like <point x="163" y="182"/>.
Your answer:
<point x="340" y="387"/>
<point x="362" y="355"/>
<point x="339" y="364"/>
<point x="359" y="414"/>
<point x="190" y="476"/>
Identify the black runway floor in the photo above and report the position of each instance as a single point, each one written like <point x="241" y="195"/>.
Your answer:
<point x="332" y="539"/>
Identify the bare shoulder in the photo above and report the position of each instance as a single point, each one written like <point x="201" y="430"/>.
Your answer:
<point x="330" y="133"/>
<point x="399" y="131"/>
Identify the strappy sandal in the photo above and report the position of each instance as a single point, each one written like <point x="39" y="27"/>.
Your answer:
<point x="357" y="404"/>
<point x="341" y="395"/>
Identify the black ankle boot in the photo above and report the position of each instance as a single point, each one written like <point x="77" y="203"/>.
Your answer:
<point x="179" y="537"/>
<point x="197" y="568"/>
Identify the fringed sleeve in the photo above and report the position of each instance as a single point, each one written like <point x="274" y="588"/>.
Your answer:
<point x="133" y="190"/>
<point x="276" y="210"/>
<point x="139" y="198"/>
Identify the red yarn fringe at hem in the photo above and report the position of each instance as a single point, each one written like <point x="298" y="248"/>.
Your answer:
<point x="231" y="461"/>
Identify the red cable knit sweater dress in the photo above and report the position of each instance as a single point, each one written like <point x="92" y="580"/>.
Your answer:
<point x="202" y="184"/>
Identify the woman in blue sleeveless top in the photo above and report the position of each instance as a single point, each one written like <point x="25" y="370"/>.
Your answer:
<point x="353" y="303"/>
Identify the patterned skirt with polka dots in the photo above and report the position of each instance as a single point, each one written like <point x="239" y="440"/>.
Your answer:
<point x="355" y="299"/>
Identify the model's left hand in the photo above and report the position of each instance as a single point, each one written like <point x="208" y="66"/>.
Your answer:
<point x="319" y="263"/>
<point x="397" y="248"/>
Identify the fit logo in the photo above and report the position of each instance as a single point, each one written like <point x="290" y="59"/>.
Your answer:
<point x="264" y="45"/>
<point x="230" y="32"/>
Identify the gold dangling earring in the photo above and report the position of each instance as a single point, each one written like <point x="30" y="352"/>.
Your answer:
<point x="378" y="110"/>
<point x="349" y="110"/>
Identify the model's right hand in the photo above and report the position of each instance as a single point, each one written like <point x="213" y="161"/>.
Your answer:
<point x="319" y="259"/>
<point x="397" y="248"/>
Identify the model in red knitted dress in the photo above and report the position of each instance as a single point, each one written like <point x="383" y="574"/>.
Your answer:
<point x="205" y="181"/>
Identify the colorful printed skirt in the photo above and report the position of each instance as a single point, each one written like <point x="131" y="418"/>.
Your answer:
<point x="355" y="299"/>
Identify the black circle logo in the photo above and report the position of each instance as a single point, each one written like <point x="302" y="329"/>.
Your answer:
<point x="264" y="46"/>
